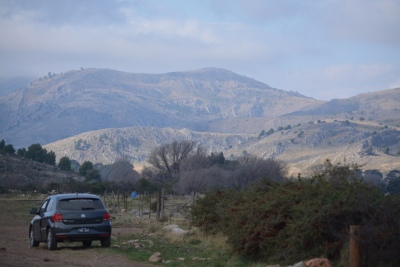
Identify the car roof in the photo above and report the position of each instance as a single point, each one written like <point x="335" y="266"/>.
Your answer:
<point x="74" y="195"/>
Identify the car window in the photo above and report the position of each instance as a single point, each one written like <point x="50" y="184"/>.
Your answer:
<point x="80" y="204"/>
<point x="50" y="205"/>
<point x="44" y="205"/>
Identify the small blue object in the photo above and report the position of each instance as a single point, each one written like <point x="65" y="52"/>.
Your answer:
<point x="134" y="194"/>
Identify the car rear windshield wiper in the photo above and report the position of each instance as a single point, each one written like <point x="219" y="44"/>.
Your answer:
<point x="88" y="208"/>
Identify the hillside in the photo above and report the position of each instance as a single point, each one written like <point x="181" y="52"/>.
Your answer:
<point x="16" y="172"/>
<point x="303" y="146"/>
<point x="382" y="106"/>
<point x="101" y="115"/>
<point x="63" y="105"/>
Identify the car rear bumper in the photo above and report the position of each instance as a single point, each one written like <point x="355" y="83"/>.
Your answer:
<point x="81" y="233"/>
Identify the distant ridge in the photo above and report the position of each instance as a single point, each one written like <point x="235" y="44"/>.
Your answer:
<point x="103" y="114"/>
<point x="380" y="106"/>
<point x="59" y="106"/>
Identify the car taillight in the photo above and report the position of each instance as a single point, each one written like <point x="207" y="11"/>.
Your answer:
<point x="57" y="217"/>
<point x="106" y="216"/>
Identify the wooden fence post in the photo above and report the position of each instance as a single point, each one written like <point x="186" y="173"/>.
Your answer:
<point x="149" y="206"/>
<point x="162" y="202"/>
<point x="354" y="249"/>
<point x="158" y="204"/>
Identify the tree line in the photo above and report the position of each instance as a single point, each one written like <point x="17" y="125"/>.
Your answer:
<point x="183" y="167"/>
<point x="34" y="152"/>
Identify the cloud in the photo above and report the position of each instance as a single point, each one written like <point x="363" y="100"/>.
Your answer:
<point x="139" y="40"/>
<point x="58" y="13"/>
<point x="362" y="20"/>
<point x="259" y="10"/>
<point x="340" y="46"/>
<point x="350" y="73"/>
<point x="336" y="81"/>
<point x="351" y="20"/>
<point x="166" y="28"/>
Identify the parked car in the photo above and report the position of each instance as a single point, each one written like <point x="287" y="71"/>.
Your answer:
<point x="70" y="217"/>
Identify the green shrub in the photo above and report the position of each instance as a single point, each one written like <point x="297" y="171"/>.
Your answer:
<point x="212" y="213"/>
<point x="305" y="218"/>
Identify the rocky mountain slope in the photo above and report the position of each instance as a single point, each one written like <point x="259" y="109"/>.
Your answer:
<point x="302" y="146"/>
<point x="101" y="115"/>
<point x="64" y="105"/>
<point x="381" y="106"/>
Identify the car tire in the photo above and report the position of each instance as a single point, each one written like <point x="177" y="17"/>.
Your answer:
<point x="51" y="240"/>
<point x="87" y="244"/>
<point x="32" y="241"/>
<point x="106" y="242"/>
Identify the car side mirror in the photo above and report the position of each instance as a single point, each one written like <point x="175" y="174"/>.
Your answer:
<point x="34" y="211"/>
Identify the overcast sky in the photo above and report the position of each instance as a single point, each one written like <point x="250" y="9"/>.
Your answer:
<point x="324" y="49"/>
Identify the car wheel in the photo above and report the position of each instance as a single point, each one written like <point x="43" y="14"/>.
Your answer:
<point x="106" y="242"/>
<point x="32" y="241"/>
<point x="87" y="244"/>
<point x="51" y="240"/>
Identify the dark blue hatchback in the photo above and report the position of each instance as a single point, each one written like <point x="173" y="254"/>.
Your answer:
<point x="70" y="217"/>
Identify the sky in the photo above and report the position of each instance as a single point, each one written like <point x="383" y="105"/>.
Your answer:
<point x="325" y="49"/>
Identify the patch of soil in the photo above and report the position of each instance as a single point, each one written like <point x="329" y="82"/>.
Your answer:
<point x="16" y="252"/>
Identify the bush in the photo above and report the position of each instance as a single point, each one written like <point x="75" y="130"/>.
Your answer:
<point x="305" y="218"/>
<point x="212" y="213"/>
<point x="65" y="164"/>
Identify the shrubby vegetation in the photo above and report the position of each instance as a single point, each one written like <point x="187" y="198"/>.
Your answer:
<point x="65" y="164"/>
<point x="6" y="149"/>
<point x="301" y="218"/>
<point x="184" y="167"/>
<point x="35" y="152"/>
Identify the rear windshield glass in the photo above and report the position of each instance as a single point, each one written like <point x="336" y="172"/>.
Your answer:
<point x="80" y="204"/>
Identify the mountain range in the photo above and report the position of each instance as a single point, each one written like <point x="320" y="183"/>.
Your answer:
<point x="102" y="114"/>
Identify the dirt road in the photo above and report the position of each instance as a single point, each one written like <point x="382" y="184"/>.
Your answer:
<point x="16" y="252"/>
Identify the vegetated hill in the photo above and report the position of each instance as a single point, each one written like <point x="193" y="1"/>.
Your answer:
<point x="301" y="146"/>
<point x="101" y="115"/>
<point x="381" y="106"/>
<point x="135" y="143"/>
<point x="16" y="172"/>
<point x="63" y="105"/>
<point x="306" y="146"/>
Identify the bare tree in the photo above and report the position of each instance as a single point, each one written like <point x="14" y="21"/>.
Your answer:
<point x="168" y="158"/>
<point x="252" y="169"/>
<point x="124" y="178"/>
<point x="166" y="161"/>
<point x="122" y="171"/>
<point x="194" y="181"/>
<point x="194" y="174"/>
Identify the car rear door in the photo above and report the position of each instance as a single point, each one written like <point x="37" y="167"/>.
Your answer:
<point x="37" y="220"/>
<point x="45" y="214"/>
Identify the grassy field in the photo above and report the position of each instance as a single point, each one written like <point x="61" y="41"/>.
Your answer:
<point x="14" y="209"/>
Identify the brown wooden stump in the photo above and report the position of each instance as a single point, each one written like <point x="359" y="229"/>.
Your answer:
<point x="354" y="250"/>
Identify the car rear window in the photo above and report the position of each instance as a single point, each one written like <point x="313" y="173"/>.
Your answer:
<point x="80" y="204"/>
